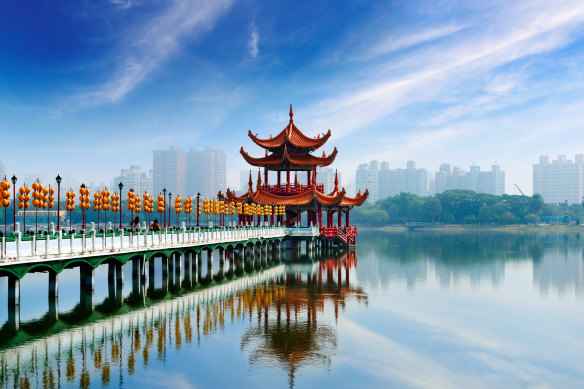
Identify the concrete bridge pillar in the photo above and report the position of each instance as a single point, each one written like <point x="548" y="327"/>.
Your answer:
<point x="165" y="272"/>
<point x="177" y="270"/>
<point x="53" y="296"/>
<point x="151" y="273"/>
<point x="188" y="270"/>
<point x="195" y="267"/>
<point x="221" y="255"/>
<point x="137" y="273"/>
<point x="87" y="285"/>
<point x="13" y="303"/>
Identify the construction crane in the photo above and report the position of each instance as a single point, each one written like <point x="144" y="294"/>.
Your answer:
<point x="519" y="189"/>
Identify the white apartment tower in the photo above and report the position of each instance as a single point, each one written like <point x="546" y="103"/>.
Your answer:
<point x="560" y="180"/>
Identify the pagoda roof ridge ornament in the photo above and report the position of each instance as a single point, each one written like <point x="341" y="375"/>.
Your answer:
<point x="291" y="114"/>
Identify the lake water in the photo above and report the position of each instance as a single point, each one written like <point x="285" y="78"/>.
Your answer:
<point x="411" y="309"/>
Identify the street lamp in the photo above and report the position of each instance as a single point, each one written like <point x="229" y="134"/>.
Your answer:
<point x="164" y="204"/>
<point x="169" y="200"/>
<point x="14" y="201"/>
<point x="198" y="209"/>
<point x="58" y="179"/>
<point x="121" y="186"/>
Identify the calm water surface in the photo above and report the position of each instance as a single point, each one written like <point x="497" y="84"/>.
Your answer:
<point x="435" y="310"/>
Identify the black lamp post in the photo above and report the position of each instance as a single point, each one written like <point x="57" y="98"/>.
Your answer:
<point x="198" y="197"/>
<point x="164" y="191"/>
<point x="58" y="179"/>
<point x="14" y="179"/>
<point x="121" y="186"/>
<point x="169" y="207"/>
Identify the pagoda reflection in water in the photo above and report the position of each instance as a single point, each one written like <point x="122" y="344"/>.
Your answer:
<point x="281" y="304"/>
<point x="286" y="332"/>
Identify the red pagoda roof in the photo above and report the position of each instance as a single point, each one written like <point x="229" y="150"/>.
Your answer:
<point x="277" y="161"/>
<point x="292" y="136"/>
<point x="306" y="198"/>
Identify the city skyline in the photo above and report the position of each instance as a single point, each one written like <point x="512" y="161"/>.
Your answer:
<point x="474" y="84"/>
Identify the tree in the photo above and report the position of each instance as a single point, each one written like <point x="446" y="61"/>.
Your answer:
<point x="433" y="208"/>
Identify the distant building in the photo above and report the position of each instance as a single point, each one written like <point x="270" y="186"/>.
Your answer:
<point x="2" y="170"/>
<point x="326" y="176"/>
<point x="134" y="178"/>
<point x="491" y="182"/>
<point x="408" y="180"/>
<point x="561" y="180"/>
<point x="206" y="172"/>
<point x="169" y="170"/>
<point x="383" y="181"/>
<point x="367" y="176"/>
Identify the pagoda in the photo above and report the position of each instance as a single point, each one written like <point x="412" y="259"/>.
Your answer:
<point x="291" y="152"/>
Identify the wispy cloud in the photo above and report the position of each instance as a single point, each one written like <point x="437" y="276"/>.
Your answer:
<point x="252" y="44"/>
<point x="148" y="44"/>
<point x="426" y="74"/>
<point x="397" y="42"/>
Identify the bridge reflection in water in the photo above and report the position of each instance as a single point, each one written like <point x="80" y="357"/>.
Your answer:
<point x="281" y="301"/>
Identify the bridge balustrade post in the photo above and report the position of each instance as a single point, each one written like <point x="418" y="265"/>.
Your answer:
<point x="103" y="242"/>
<point x="92" y="229"/>
<point x="46" y="245"/>
<point x="33" y="246"/>
<point x="59" y="241"/>
<point x="2" y="253"/>
<point x="121" y="239"/>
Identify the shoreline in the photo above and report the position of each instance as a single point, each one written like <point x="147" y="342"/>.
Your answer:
<point x="518" y="228"/>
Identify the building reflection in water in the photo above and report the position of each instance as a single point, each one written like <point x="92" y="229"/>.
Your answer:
<point x="479" y="257"/>
<point x="282" y="305"/>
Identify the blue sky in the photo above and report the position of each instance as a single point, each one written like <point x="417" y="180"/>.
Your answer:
<point x="88" y="88"/>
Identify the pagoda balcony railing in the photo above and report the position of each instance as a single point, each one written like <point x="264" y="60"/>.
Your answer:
<point x="348" y="235"/>
<point x="291" y="189"/>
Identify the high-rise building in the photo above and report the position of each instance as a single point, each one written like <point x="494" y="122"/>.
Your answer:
<point x="408" y="180"/>
<point x="206" y="172"/>
<point x="491" y="182"/>
<point x="169" y="170"/>
<point x="561" y="180"/>
<point x="326" y="176"/>
<point x="134" y="178"/>
<point x="367" y="176"/>
<point x="2" y="170"/>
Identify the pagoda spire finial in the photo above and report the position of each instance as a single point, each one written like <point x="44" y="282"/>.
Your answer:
<point x="259" y="179"/>
<point x="336" y="181"/>
<point x="250" y="182"/>
<point x="291" y="114"/>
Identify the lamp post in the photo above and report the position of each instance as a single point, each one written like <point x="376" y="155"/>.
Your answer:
<point x="164" y="212"/>
<point x="14" y="179"/>
<point x="198" y="210"/>
<point x="121" y="186"/>
<point x="169" y="200"/>
<point x="58" y="179"/>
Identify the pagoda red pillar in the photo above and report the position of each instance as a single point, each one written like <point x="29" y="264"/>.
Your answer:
<point x="347" y="219"/>
<point x="308" y="177"/>
<point x="278" y="177"/>
<point x="319" y="215"/>
<point x="340" y="217"/>
<point x="287" y="175"/>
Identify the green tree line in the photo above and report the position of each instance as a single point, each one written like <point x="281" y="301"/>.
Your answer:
<point x="460" y="207"/>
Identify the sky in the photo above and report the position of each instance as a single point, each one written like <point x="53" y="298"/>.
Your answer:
<point x="88" y="88"/>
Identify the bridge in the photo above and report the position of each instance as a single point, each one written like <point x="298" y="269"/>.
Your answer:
<point x="178" y="248"/>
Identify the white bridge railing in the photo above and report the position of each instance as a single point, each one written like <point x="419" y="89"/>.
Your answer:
<point x="303" y="231"/>
<point x="58" y="246"/>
